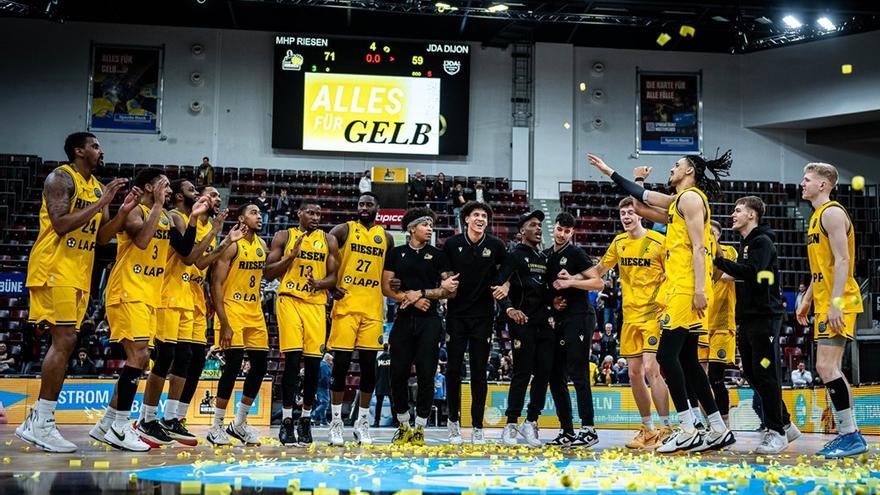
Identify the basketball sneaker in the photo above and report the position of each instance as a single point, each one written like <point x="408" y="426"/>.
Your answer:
<point x="287" y="433"/>
<point x="44" y="434"/>
<point x="477" y="437"/>
<point x="178" y="432"/>
<point x="509" y="434"/>
<point x="529" y="431"/>
<point x="362" y="432"/>
<point x="454" y="428"/>
<point x="335" y="433"/>
<point x="402" y="435"/>
<point x="645" y="439"/>
<point x="304" y="432"/>
<point x="152" y="433"/>
<point x="244" y="434"/>
<point x="586" y="437"/>
<point x="681" y="440"/>
<point x="125" y="438"/>
<point x="217" y="436"/>
<point x="564" y="439"/>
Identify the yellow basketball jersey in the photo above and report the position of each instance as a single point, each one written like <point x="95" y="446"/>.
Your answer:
<point x="363" y="259"/>
<point x="138" y="274"/>
<point x="822" y="264"/>
<point x="640" y="265"/>
<point x="241" y="289"/>
<point x="67" y="261"/>
<point x="312" y="262"/>
<point x="176" y="291"/>
<point x="722" y="307"/>
<point x="197" y="277"/>
<point x="679" y="250"/>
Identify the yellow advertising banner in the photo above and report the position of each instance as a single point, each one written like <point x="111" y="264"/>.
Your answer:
<point x="82" y="401"/>
<point x="390" y="175"/>
<point x="614" y="408"/>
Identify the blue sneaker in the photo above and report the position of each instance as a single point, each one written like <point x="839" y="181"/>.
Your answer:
<point x="848" y="445"/>
<point x="830" y="446"/>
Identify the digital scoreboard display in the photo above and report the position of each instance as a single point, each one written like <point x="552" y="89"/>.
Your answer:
<point x="370" y="95"/>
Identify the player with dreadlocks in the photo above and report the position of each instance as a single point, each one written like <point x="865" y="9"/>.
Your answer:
<point x="687" y="289"/>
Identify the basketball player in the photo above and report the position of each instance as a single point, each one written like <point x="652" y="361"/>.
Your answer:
<point x="476" y="257"/>
<point x="687" y="288"/>
<point x="175" y="320"/>
<point x="235" y="287"/>
<point x="527" y="307"/>
<point x="134" y="295"/>
<point x="357" y="316"/>
<point x="837" y="299"/>
<point x="74" y="216"/>
<point x="639" y="255"/>
<point x="207" y="230"/>
<point x="574" y="324"/>
<point x="759" y="312"/>
<point x="305" y="258"/>
<point x="721" y="352"/>
<point x="425" y="277"/>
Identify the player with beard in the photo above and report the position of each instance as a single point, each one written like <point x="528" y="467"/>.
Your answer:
<point x="305" y="258"/>
<point x="837" y="298"/>
<point x="574" y="324"/>
<point x="528" y="309"/>
<point x="235" y="287"/>
<point x="423" y="272"/>
<point x="134" y="295"/>
<point x="476" y="257"/>
<point x="357" y="316"/>
<point x="687" y="289"/>
<point x="74" y="217"/>
<point x="638" y="254"/>
<point x="174" y="317"/>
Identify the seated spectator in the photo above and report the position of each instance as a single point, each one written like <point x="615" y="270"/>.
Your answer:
<point x="7" y="361"/>
<point x="82" y="365"/>
<point x="505" y="371"/>
<point x="622" y="371"/>
<point x="801" y="378"/>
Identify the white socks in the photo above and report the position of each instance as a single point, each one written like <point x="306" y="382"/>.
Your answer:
<point x="363" y="414"/>
<point x="286" y="413"/>
<point x="148" y="413"/>
<point x="403" y="418"/>
<point x="336" y="412"/>
<point x="716" y="422"/>
<point x="306" y="413"/>
<point x="648" y="422"/>
<point x="847" y="420"/>
<point x="170" y="410"/>
<point x="686" y="422"/>
<point x="46" y="409"/>
<point x="421" y="422"/>
<point x="241" y="412"/>
<point x="219" y="416"/>
<point x="182" y="408"/>
<point x="122" y="418"/>
<point x="665" y="421"/>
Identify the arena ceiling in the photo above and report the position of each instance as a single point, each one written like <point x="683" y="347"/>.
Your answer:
<point x="737" y="27"/>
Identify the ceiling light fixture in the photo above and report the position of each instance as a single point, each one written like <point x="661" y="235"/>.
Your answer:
<point x="498" y="7"/>
<point x="826" y="24"/>
<point x="763" y="20"/>
<point x="442" y="7"/>
<point x="719" y="18"/>
<point x="792" y="22"/>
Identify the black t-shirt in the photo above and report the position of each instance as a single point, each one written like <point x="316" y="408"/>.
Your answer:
<point x="477" y="266"/>
<point x="417" y="269"/>
<point x="526" y="268"/>
<point x="574" y="260"/>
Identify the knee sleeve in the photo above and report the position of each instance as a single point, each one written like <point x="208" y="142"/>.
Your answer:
<point x="182" y="357"/>
<point x="259" y="364"/>
<point x="126" y="387"/>
<point x="341" y="362"/>
<point x="233" y="357"/>
<point x="290" y="378"/>
<point x="194" y="372"/>
<point x="367" y="360"/>
<point x="164" y="358"/>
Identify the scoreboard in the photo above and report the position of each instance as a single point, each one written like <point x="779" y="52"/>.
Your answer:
<point x="370" y="95"/>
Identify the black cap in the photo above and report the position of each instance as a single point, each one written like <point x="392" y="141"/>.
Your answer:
<point x="528" y="216"/>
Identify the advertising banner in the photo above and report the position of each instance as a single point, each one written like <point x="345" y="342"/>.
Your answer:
<point x="125" y="88"/>
<point x="669" y="113"/>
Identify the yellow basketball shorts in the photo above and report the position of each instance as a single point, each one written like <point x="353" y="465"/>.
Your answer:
<point x="59" y="306"/>
<point x="200" y="328"/>
<point x="703" y="348"/>
<point x="134" y="321"/>
<point x="638" y="338"/>
<point x="355" y="331"/>
<point x="248" y="338"/>
<point x="722" y="346"/>
<point x="822" y="330"/>
<point x="302" y="326"/>
<point x="174" y="325"/>
<point x="678" y="313"/>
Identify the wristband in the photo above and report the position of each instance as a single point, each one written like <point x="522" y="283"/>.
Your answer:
<point x="424" y="294"/>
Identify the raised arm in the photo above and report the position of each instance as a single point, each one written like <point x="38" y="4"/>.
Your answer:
<point x="653" y="198"/>
<point x="58" y="191"/>
<point x="110" y="227"/>
<point x="235" y="234"/>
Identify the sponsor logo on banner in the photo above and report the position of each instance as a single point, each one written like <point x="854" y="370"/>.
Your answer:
<point x="389" y="218"/>
<point x="12" y="284"/>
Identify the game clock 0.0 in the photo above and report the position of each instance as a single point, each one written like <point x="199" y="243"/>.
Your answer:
<point x="370" y="96"/>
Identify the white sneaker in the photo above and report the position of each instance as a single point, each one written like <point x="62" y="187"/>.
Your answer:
<point x="125" y="439"/>
<point x="772" y="443"/>
<point x="477" y="437"/>
<point x="362" y="432"/>
<point x="792" y="432"/>
<point x="98" y="431"/>
<point x="681" y="440"/>
<point x="454" y="428"/>
<point x="335" y="433"/>
<point x="529" y="431"/>
<point x="508" y="436"/>
<point x="217" y="435"/>
<point x="715" y="440"/>
<point x="44" y="434"/>
<point x="244" y="434"/>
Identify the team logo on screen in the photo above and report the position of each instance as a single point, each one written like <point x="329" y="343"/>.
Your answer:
<point x="452" y="67"/>
<point x="292" y="61"/>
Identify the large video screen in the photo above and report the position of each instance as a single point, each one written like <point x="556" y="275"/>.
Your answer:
<point x="370" y="95"/>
